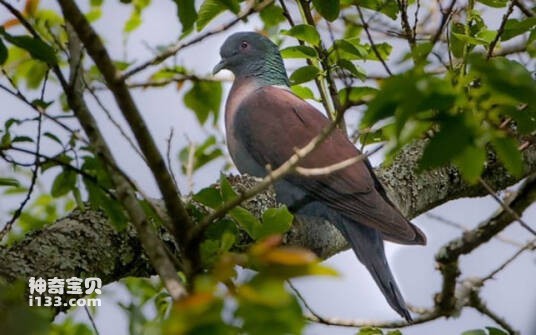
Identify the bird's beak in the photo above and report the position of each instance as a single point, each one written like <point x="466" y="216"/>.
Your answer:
<point x="220" y="66"/>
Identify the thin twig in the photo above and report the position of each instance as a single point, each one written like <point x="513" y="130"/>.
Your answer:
<point x="479" y="305"/>
<point x="20" y="96"/>
<point x="334" y="321"/>
<point x="529" y="246"/>
<point x="35" y="170"/>
<point x="371" y="41"/>
<point x="181" y="221"/>
<point x="174" y="49"/>
<point x="416" y="19"/>
<point x="445" y="17"/>
<point x="168" y="156"/>
<point x="447" y="257"/>
<point x="404" y="21"/>
<point x="506" y="207"/>
<point x="114" y="121"/>
<point x="190" y="165"/>
<point x="325" y="170"/>
<point x="153" y="246"/>
<point x="500" y="31"/>
<point x="524" y="9"/>
<point x="91" y="320"/>
<point x="305" y="303"/>
<point x="463" y="228"/>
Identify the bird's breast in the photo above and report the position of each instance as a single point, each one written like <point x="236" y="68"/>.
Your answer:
<point x="243" y="160"/>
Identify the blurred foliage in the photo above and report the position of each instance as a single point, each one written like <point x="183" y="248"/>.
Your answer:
<point x="469" y="106"/>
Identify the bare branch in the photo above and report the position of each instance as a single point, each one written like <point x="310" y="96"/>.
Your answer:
<point x="498" y="237"/>
<point x="125" y="193"/>
<point x="334" y="321"/>
<point x="479" y="305"/>
<point x="523" y="8"/>
<point x="500" y="31"/>
<point x="529" y="246"/>
<point x="506" y="206"/>
<point x="371" y="41"/>
<point x="403" y="8"/>
<point x="322" y="171"/>
<point x="7" y="227"/>
<point x="181" y="221"/>
<point x="447" y="257"/>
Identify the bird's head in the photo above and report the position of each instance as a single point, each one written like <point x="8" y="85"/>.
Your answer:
<point x="250" y="54"/>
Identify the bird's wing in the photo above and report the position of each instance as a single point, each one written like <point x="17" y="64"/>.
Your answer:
<point x="272" y="123"/>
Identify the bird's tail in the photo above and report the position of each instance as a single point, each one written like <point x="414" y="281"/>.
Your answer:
<point x="367" y="244"/>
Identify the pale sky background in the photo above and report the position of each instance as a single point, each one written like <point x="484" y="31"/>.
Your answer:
<point x="354" y="295"/>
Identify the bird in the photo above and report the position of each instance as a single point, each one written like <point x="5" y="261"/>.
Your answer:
<point x="266" y="122"/>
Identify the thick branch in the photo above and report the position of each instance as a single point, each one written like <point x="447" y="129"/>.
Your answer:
<point x="97" y="51"/>
<point x="420" y="192"/>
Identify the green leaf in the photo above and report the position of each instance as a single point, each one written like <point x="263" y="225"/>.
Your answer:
<point x="111" y="207"/>
<point x="453" y="137"/>
<point x="506" y="149"/>
<point x="231" y="5"/>
<point x="384" y="49"/>
<point x="328" y="9"/>
<point x="515" y="27"/>
<point x="370" y="331"/>
<point x="494" y="3"/>
<point x="266" y="308"/>
<point x="209" y="197"/>
<point x="496" y="331"/>
<point x="506" y="77"/>
<point x="227" y="192"/>
<point x="272" y="15"/>
<point x="9" y="182"/>
<point x="471" y="163"/>
<point x="22" y="139"/>
<point x="36" y="47"/>
<point x="355" y="70"/>
<point x="63" y="183"/>
<point x="186" y="13"/>
<point x="94" y="14"/>
<point x="202" y="155"/>
<point x="246" y="221"/>
<point x="275" y="221"/>
<point x="3" y="52"/>
<point x="304" y="32"/>
<point x="348" y="50"/>
<point x="204" y="99"/>
<point x="474" y="332"/>
<point x="299" y="51"/>
<point x="471" y="39"/>
<point x="386" y="7"/>
<point x="357" y="95"/>
<point x="525" y="118"/>
<point x="207" y="12"/>
<point x="304" y="74"/>
<point x="133" y="22"/>
<point x="303" y="92"/>
<point x="456" y="44"/>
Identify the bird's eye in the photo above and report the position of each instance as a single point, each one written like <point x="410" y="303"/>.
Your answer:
<point x="244" y="45"/>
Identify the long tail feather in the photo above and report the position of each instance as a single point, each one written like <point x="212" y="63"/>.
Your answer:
<point x="367" y="244"/>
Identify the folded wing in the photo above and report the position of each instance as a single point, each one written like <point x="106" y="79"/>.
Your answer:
<point x="272" y="123"/>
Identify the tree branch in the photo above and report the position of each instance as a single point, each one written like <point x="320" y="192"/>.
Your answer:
<point x="181" y="222"/>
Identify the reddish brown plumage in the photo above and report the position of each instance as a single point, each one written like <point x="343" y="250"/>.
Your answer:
<point x="273" y="122"/>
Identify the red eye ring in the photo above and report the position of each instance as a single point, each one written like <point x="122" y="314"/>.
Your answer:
<point x="244" y="44"/>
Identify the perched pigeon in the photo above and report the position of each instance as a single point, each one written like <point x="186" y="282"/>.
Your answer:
<point x="266" y="122"/>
